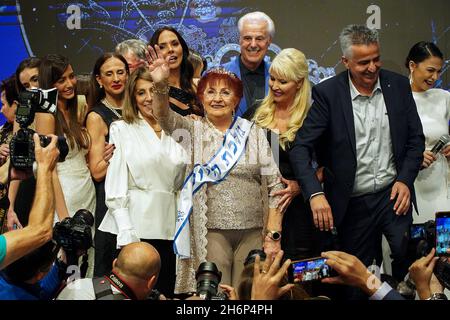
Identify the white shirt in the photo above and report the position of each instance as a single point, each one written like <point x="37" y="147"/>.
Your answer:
<point x="375" y="158"/>
<point x="143" y="177"/>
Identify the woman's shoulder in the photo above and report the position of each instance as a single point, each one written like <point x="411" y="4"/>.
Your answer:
<point x="439" y="93"/>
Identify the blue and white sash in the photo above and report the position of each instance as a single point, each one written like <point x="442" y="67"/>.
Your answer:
<point x="215" y="170"/>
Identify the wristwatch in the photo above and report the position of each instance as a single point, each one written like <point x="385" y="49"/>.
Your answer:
<point x="274" y="235"/>
<point x="438" y="296"/>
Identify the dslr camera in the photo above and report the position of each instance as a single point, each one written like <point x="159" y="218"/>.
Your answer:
<point x="208" y="278"/>
<point x="422" y="239"/>
<point x="22" y="143"/>
<point x="74" y="234"/>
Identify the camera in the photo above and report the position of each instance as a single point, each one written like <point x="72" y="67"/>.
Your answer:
<point x="313" y="269"/>
<point x="22" y="143"/>
<point x="422" y="240"/>
<point x="208" y="278"/>
<point x="74" y="234"/>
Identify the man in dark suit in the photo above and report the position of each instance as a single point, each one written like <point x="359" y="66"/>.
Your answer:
<point x="366" y="133"/>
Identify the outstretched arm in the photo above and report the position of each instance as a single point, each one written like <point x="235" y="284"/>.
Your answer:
<point x="39" y="228"/>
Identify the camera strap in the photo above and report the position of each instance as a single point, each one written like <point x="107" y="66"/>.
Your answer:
<point x="120" y="285"/>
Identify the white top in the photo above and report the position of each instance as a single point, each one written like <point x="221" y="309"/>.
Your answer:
<point x="143" y="177"/>
<point x="431" y="185"/>
<point x="76" y="182"/>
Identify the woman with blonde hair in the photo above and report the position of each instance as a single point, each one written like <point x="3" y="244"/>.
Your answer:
<point x="283" y="111"/>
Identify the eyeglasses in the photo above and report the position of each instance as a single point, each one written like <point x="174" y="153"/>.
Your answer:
<point x="224" y="94"/>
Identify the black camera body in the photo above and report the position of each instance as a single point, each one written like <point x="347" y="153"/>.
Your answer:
<point x="208" y="278"/>
<point x="22" y="148"/>
<point x="22" y="143"/>
<point x="74" y="234"/>
<point x="422" y="239"/>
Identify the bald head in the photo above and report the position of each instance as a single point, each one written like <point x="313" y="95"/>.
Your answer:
<point x="138" y="260"/>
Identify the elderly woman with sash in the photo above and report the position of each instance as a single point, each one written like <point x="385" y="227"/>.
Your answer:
<point x="220" y="213"/>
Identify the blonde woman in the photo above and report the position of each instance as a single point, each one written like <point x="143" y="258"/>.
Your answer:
<point x="282" y="112"/>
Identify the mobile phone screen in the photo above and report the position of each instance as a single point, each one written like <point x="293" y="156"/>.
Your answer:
<point x="310" y="270"/>
<point x="442" y="233"/>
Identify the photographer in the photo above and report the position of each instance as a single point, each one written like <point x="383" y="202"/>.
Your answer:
<point x="133" y="276"/>
<point x="17" y="243"/>
<point x="34" y="276"/>
<point x="353" y="272"/>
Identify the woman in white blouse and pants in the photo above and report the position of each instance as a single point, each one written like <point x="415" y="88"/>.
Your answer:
<point x="145" y="172"/>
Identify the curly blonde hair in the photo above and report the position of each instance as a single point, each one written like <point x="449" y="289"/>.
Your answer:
<point x="291" y="65"/>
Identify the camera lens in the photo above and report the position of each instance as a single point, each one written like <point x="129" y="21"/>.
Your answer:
<point x="208" y="278"/>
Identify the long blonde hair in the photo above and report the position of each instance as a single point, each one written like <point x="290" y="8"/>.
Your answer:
<point x="291" y="65"/>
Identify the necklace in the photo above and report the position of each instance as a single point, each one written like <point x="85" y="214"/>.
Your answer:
<point x="110" y="107"/>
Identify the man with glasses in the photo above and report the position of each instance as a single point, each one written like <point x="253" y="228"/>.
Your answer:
<point x="256" y="31"/>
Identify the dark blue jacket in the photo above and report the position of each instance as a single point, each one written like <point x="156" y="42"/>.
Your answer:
<point x="329" y="130"/>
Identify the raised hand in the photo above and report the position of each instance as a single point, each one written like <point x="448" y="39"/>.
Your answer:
<point x="158" y="65"/>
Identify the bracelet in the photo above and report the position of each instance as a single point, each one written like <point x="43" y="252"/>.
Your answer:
<point x="163" y="91"/>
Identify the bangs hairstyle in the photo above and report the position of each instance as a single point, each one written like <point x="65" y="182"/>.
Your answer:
<point x="98" y="93"/>
<point x="51" y="69"/>
<point x="130" y="111"/>
<point x="291" y="65"/>
<point x="217" y="75"/>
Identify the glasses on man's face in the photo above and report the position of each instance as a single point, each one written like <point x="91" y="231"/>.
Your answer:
<point x="224" y="94"/>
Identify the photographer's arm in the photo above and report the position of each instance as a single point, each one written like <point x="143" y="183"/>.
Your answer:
<point x="45" y="124"/>
<point x="12" y="194"/>
<point x="39" y="229"/>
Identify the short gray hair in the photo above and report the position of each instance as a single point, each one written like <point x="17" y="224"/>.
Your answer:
<point x="354" y="34"/>
<point x="257" y="16"/>
<point x="136" y="46"/>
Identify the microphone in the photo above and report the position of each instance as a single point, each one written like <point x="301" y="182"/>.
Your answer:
<point x="443" y="140"/>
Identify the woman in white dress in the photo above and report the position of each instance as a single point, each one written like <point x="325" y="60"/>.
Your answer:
<point x="78" y="190"/>
<point x="144" y="175"/>
<point x="432" y="185"/>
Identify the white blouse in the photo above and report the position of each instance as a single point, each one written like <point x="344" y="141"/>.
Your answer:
<point x="141" y="183"/>
<point x="432" y="184"/>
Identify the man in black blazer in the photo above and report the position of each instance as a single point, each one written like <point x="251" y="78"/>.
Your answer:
<point x="365" y="131"/>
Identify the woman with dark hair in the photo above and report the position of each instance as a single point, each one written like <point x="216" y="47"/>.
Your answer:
<point x="108" y="81"/>
<point x="425" y="62"/>
<point x="27" y="74"/>
<point x="182" y="94"/>
<point x="78" y="190"/>
<point x="231" y="171"/>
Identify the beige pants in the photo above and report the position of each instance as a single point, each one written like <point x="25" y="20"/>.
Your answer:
<point x="228" y="250"/>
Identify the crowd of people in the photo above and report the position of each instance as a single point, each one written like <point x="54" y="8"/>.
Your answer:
<point x="181" y="164"/>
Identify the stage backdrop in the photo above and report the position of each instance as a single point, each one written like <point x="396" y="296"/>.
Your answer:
<point x="82" y="30"/>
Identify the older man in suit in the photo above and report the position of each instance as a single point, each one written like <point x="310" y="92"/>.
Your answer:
<point x="366" y="133"/>
<point x="256" y="31"/>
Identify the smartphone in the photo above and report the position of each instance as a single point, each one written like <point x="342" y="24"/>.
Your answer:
<point x="307" y="270"/>
<point x="443" y="233"/>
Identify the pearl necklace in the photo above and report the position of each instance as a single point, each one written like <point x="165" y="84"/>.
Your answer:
<point x="107" y="104"/>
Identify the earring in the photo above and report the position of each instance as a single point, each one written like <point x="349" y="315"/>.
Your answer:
<point x="232" y="114"/>
<point x="101" y="86"/>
